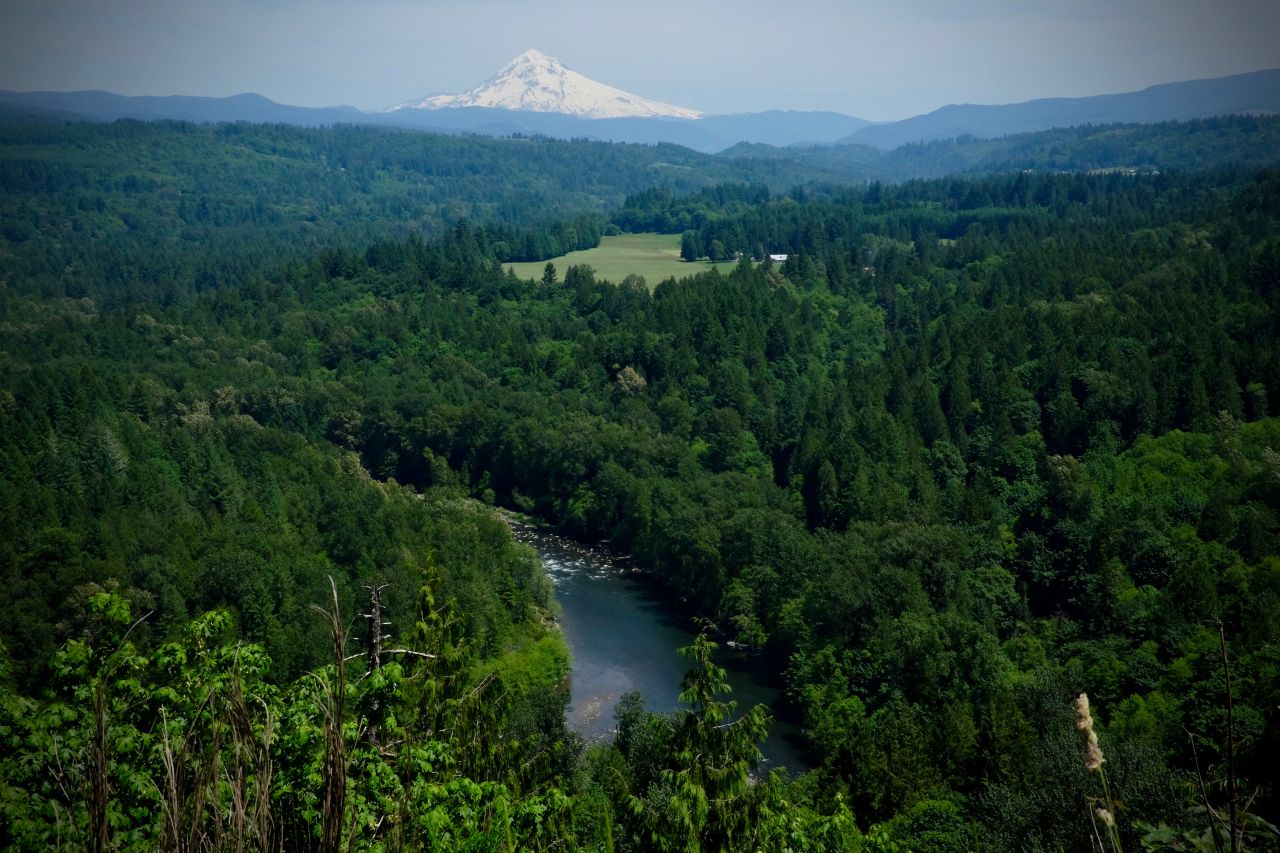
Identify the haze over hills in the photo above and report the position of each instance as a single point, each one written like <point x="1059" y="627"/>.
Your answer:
<point x="107" y="106"/>
<point x="536" y="94"/>
<point x="1257" y="92"/>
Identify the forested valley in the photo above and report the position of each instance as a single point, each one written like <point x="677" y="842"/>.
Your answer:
<point x="979" y="445"/>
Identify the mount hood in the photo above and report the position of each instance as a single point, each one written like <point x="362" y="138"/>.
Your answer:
<point x="535" y="82"/>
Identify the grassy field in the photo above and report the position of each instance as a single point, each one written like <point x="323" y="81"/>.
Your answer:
<point x="654" y="256"/>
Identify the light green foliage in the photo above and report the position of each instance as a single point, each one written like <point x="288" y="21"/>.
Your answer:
<point x="535" y="659"/>
<point x="201" y="753"/>
<point x="714" y="754"/>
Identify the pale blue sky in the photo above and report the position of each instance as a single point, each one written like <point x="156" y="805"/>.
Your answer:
<point x="883" y="60"/>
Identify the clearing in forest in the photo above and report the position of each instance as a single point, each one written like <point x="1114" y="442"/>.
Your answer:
<point x="654" y="256"/>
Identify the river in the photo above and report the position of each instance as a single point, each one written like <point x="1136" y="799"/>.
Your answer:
<point x="623" y="637"/>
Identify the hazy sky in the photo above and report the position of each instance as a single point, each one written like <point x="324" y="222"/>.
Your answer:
<point x="881" y="60"/>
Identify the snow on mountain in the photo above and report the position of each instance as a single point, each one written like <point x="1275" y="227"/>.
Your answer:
<point x="539" y="83"/>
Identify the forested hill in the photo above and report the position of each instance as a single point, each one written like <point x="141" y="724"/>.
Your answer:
<point x="114" y="211"/>
<point x="979" y="446"/>
<point x="1184" y="146"/>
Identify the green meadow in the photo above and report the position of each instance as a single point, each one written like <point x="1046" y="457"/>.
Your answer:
<point x="654" y="256"/>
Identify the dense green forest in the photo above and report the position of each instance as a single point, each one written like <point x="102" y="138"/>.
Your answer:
<point x="980" y="445"/>
<point x="159" y="211"/>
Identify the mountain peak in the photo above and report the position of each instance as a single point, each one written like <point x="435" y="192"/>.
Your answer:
<point x="536" y="82"/>
<point x="534" y="55"/>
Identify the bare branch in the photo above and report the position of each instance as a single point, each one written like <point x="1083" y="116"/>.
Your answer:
<point x="1237" y="827"/>
<point x="409" y="652"/>
<point x="1204" y="794"/>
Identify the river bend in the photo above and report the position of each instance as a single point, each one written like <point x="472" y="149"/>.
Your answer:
<point x="623" y="637"/>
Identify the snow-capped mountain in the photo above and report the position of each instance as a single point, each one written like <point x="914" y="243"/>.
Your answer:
<point x="535" y="82"/>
